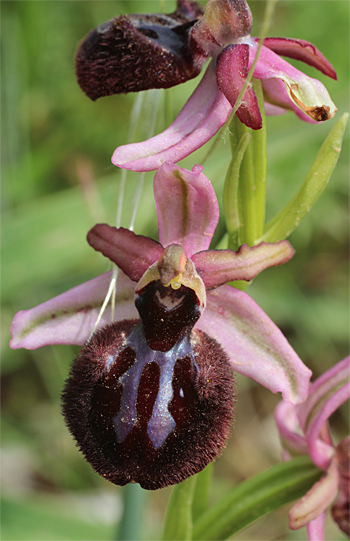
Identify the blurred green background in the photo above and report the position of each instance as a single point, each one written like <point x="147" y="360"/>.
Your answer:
<point x="58" y="181"/>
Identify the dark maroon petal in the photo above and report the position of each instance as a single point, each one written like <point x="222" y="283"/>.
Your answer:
<point x="134" y="254"/>
<point x="168" y="423"/>
<point x="300" y="49"/>
<point x="137" y="52"/>
<point x="231" y="74"/>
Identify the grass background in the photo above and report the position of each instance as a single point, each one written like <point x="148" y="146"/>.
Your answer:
<point x="58" y="181"/>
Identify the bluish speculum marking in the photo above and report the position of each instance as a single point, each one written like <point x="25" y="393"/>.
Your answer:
<point x="161" y="423"/>
<point x="157" y="306"/>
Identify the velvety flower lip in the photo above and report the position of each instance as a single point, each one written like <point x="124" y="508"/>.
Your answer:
<point x="224" y="34"/>
<point x="137" y="52"/>
<point x="255" y="346"/>
<point x="303" y="429"/>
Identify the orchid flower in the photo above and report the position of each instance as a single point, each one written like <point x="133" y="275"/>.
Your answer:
<point x="223" y="33"/>
<point x="192" y="330"/>
<point x="304" y="429"/>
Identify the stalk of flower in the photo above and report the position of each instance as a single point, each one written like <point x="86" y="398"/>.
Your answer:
<point x="304" y="430"/>
<point x="173" y="48"/>
<point x="140" y="398"/>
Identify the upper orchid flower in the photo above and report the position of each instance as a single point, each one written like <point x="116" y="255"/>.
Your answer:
<point x="150" y="400"/>
<point x="223" y="33"/>
<point x="304" y="429"/>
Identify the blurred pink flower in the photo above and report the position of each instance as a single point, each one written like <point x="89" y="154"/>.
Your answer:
<point x="304" y="429"/>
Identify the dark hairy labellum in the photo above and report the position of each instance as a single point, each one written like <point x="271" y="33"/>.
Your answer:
<point x="137" y="52"/>
<point x="148" y="403"/>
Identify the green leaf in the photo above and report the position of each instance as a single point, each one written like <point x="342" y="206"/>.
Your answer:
<point x="201" y="491"/>
<point x="315" y="182"/>
<point x="256" y="497"/>
<point x="130" y="524"/>
<point x="178" y="520"/>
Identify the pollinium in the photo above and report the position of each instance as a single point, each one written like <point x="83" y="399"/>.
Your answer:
<point x="150" y="401"/>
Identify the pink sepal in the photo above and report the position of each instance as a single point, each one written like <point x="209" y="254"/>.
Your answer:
<point x="256" y="347"/>
<point x="201" y="117"/>
<point x="187" y="208"/>
<point x="70" y="318"/>
<point x="273" y="110"/>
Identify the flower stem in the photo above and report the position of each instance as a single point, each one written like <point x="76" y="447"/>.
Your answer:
<point x="201" y="491"/>
<point x="178" y="521"/>
<point x="246" y="189"/>
<point x="232" y="207"/>
<point x="133" y="499"/>
<point x="259" y="162"/>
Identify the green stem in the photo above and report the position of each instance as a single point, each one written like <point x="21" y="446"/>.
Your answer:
<point x="133" y="500"/>
<point x="178" y="520"/>
<point x="246" y="189"/>
<point x="259" y="162"/>
<point x="201" y="491"/>
<point x="232" y="207"/>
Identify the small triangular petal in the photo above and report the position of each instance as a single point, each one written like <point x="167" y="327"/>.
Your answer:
<point x="256" y="347"/>
<point x="70" y="318"/>
<point x="187" y="208"/>
<point x="217" y="267"/>
<point x="316" y="500"/>
<point x="201" y="117"/>
<point x="231" y="73"/>
<point x="300" y="49"/>
<point x="132" y="253"/>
